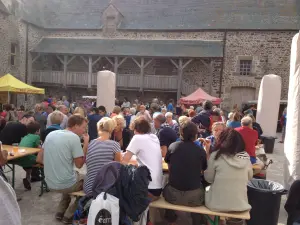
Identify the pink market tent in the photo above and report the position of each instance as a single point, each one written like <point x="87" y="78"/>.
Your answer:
<point x="199" y="96"/>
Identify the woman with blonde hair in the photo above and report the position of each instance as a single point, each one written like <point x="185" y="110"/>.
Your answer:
<point x="100" y="152"/>
<point x="116" y="111"/>
<point x="119" y="134"/>
<point x="80" y="111"/>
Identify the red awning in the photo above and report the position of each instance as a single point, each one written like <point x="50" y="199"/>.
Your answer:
<point x="199" y="96"/>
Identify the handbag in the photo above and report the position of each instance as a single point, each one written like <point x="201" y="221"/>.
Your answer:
<point x="104" y="210"/>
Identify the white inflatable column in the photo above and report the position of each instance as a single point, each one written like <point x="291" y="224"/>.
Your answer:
<point x="292" y="138"/>
<point x="268" y="104"/>
<point x="106" y="89"/>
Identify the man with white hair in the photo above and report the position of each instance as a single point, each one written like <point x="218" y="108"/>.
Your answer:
<point x="64" y="110"/>
<point x="250" y="137"/>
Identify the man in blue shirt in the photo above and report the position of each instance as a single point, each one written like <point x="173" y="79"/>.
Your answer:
<point x="93" y="118"/>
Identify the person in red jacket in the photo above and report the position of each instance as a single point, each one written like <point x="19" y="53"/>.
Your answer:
<point x="250" y="137"/>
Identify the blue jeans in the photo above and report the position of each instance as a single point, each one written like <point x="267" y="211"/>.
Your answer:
<point x="253" y="159"/>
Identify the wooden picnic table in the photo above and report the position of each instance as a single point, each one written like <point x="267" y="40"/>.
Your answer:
<point x="22" y="151"/>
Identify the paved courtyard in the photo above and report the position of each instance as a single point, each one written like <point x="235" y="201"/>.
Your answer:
<point x="40" y="210"/>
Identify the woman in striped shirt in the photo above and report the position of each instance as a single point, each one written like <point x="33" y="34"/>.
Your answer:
<point x="100" y="152"/>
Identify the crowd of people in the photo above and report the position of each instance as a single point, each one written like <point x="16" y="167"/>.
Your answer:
<point x="202" y="146"/>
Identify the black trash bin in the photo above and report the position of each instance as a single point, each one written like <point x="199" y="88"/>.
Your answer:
<point x="264" y="196"/>
<point x="269" y="143"/>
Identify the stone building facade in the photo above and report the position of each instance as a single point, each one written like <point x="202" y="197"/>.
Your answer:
<point x="232" y="70"/>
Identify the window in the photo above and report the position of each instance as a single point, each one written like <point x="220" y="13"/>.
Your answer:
<point x="245" y="67"/>
<point x="13" y="54"/>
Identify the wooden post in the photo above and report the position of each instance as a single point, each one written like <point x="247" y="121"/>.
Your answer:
<point x="90" y="72"/>
<point x="65" y="70"/>
<point x="142" y="75"/>
<point x="180" y="71"/>
<point x="210" y="80"/>
<point x="180" y="66"/>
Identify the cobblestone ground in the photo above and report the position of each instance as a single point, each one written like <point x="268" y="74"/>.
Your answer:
<point x="40" y="210"/>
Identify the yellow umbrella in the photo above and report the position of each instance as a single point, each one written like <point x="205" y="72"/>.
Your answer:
<point x="9" y="83"/>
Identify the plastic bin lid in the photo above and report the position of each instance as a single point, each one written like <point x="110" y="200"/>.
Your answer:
<point x="266" y="186"/>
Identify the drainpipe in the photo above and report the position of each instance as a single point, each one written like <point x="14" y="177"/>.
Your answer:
<point x="26" y="57"/>
<point x="223" y="63"/>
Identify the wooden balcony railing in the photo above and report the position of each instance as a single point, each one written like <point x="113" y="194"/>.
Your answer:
<point x="126" y="81"/>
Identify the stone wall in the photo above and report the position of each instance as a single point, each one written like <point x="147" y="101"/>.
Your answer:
<point x="271" y="55"/>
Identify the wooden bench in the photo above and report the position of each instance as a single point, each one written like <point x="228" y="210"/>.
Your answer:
<point x="77" y="194"/>
<point x="162" y="204"/>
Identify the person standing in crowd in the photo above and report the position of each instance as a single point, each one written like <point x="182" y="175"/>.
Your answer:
<point x="65" y="101"/>
<point x="133" y="114"/>
<point x="143" y="112"/>
<point x="80" y="111"/>
<point x="56" y="119"/>
<point x="126" y="103"/>
<point x="93" y="119"/>
<point x="229" y="170"/>
<point x="48" y="110"/>
<point x="39" y="117"/>
<point x="178" y="110"/>
<point x="199" y="108"/>
<point x="9" y="114"/>
<point x="235" y="123"/>
<point x="146" y="148"/>
<point x="283" y="124"/>
<point x="256" y="126"/>
<point x="170" y="107"/>
<point x="186" y="162"/>
<point x="64" y="110"/>
<point x="223" y="117"/>
<point x="61" y="150"/>
<point x="172" y="123"/>
<point x="116" y="111"/>
<point x="31" y="140"/>
<point x="165" y="133"/>
<point x="203" y="119"/>
<point x="127" y="116"/>
<point x="21" y="112"/>
<point x="101" y="151"/>
<point x="102" y="111"/>
<point x="250" y="137"/>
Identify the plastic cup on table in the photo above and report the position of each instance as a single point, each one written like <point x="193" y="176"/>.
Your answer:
<point x="15" y="148"/>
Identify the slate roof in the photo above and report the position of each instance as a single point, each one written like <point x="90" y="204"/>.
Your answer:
<point x="125" y="47"/>
<point x="172" y="14"/>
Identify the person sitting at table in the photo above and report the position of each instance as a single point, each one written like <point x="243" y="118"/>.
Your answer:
<point x="165" y="133"/>
<point x="13" y="132"/>
<point x="186" y="162"/>
<point x="250" y="137"/>
<point x="101" y="151"/>
<point x="217" y="129"/>
<point x="31" y="140"/>
<point x="229" y="169"/>
<point x="235" y="123"/>
<point x="56" y="119"/>
<point x="147" y="150"/>
<point x="61" y="151"/>
<point x="120" y="134"/>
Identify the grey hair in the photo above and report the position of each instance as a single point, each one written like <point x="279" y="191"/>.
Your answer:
<point x="133" y="111"/>
<point x="161" y="118"/>
<point x="169" y="114"/>
<point x="246" y="121"/>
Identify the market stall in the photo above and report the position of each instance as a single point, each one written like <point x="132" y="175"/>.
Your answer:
<point x="198" y="97"/>
<point x="9" y="84"/>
